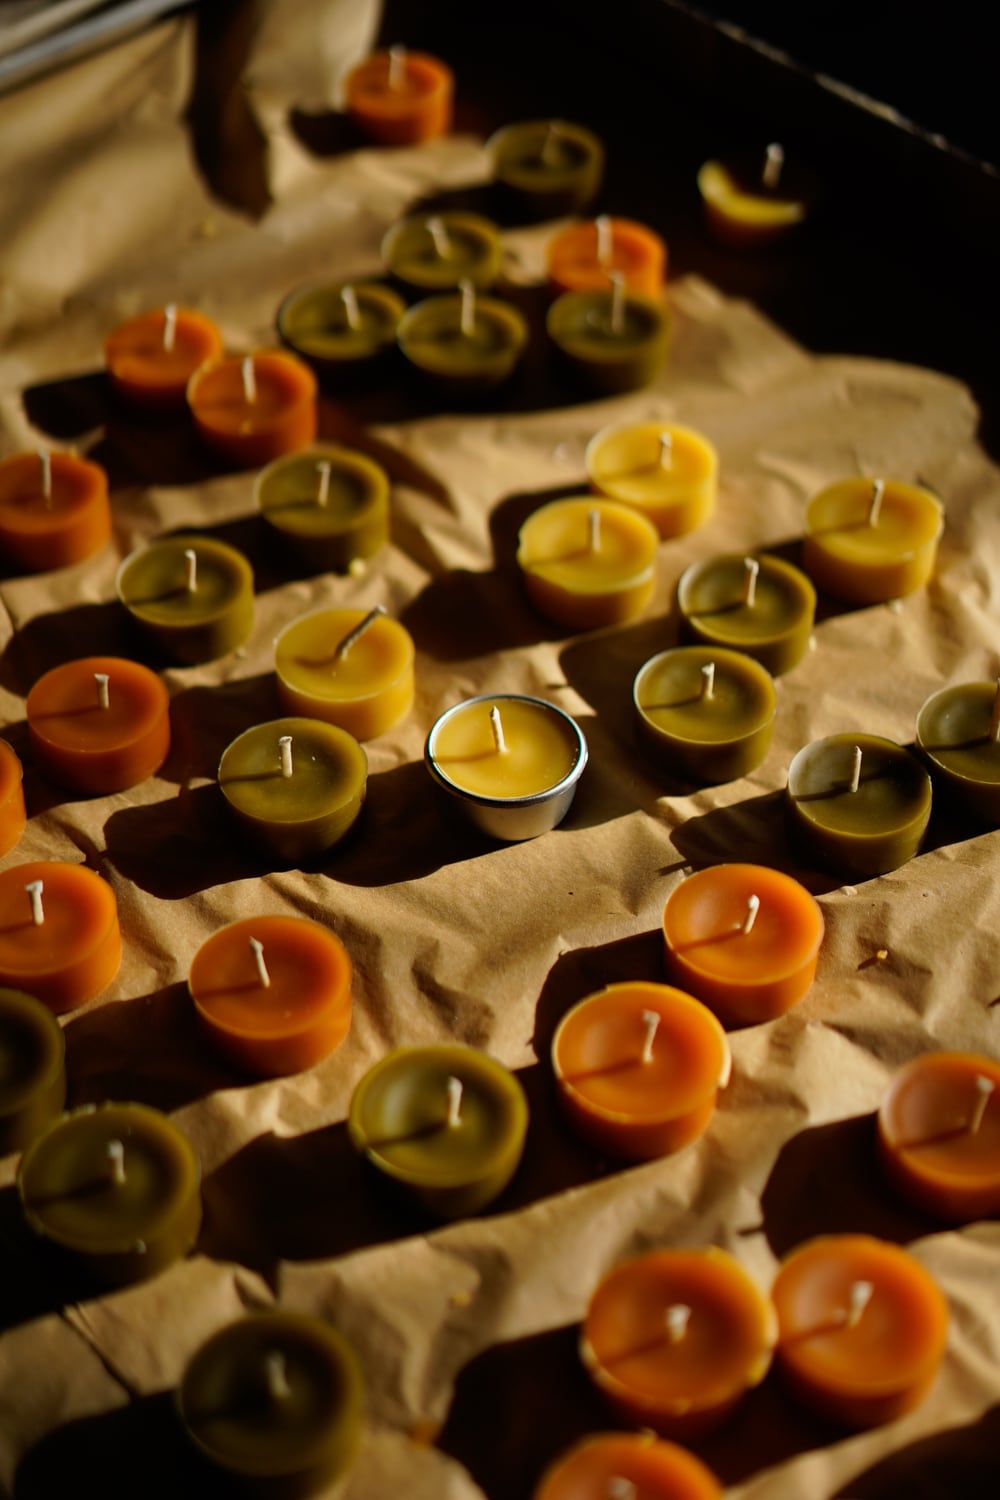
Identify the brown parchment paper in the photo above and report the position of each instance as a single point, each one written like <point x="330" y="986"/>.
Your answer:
<point x="467" y="1332"/>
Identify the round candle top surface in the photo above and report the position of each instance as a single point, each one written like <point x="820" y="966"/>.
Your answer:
<point x="635" y="1466"/>
<point x="557" y="162"/>
<point x="100" y="741"/>
<point x="275" y="1394"/>
<point x="324" y="491"/>
<point x="671" y="691"/>
<point x="582" y="257"/>
<point x="760" y="604"/>
<point x="587" y="545"/>
<point x="939" y="1131"/>
<point x="843" y="1347"/>
<point x="73" y="1194"/>
<point x="13" y="814"/>
<point x="399" y="98"/>
<point x="723" y="1347"/>
<point x="668" y="472"/>
<point x="583" y="325"/>
<point x="54" y="509"/>
<point x="435" y="252"/>
<point x="867" y="541"/>
<point x="542" y="747"/>
<point x="152" y="356"/>
<point x="153" y="583"/>
<point x="341" y="323"/>
<point x="32" y="1068"/>
<point x="73" y="951"/>
<point x="305" y="965"/>
<point x="366" y="687"/>
<point x="893" y="794"/>
<point x="329" y="772"/>
<point x="432" y="337"/>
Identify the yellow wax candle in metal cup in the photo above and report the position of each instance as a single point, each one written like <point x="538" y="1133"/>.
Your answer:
<point x="871" y="540"/>
<point x="328" y="505"/>
<point x="667" y="472"/>
<point x="588" y="562"/>
<point x="346" y="330"/>
<point x="612" y="342"/>
<point x="436" y="252"/>
<point x="297" y="785"/>
<point x="509" y="763"/>
<point x="704" y="712"/>
<point x="32" y="1069"/>
<point x="276" y="1399"/>
<point x="858" y="803"/>
<point x="958" y="733"/>
<point x="115" y="1189"/>
<point x="546" y="168"/>
<point x="463" y="342"/>
<point x="347" y="666"/>
<point x="446" y="1123"/>
<point x="191" y="595"/>
<point x="758" y="604"/>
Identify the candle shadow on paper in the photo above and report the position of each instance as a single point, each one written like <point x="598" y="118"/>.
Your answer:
<point x="584" y="971"/>
<point x="41" y="643"/>
<point x="753" y="831"/>
<point x="959" y="1461"/>
<point x="28" y="1290"/>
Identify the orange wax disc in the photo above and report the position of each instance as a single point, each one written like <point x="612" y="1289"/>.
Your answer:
<point x="638" y="1067"/>
<point x="641" y="1465"/>
<point x="59" y="934"/>
<point x="150" y="358"/>
<point x="255" y="407"/>
<point x="274" y="993"/>
<point x="862" y="1328"/>
<point x="583" y="257"/>
<point x="675" y="1338"/>
<point x="400" y="98"/>
<point x="54" y="510"/>
<point x="13" y="814"/>
<point x="939" y="1134"/>
<point x="99" y="724"/>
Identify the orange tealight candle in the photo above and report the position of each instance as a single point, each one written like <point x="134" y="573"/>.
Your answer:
<point x="54" y="510"/>
<point x="255" y="407"/>
<point x="582" y="257"/>
<point x="627" y="1466"/>
<point x="150" y="358"/>
<point x="862" y="1327"/>
<point x="675" y="1338"/>
<point x="638" y="1067"/>
<point x="939" y="1134"/>
<point x="273" y="993"/>
<point x="99" y="724"/>
<point x="59" y="934"/>
<point x="743" y="938"/>
<point x="399" y="98"/>
<point x="13" y="814"/>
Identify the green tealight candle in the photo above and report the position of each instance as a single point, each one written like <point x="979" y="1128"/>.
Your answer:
<point x="328" y="505"/>
<point x="705" y="712"/>
<point x="610" y="341"/>
<point x="344" y="330"/>
<point x="32" y="1069"/>
<point x="192" y="595"/>
<point x="760" y="605"/>
<point x="437" y="252"/>
<point x="858" y="802"/>
<point x="547" y="168"/>
<point x="958" y="731"/>
<point x="463" y="342"/>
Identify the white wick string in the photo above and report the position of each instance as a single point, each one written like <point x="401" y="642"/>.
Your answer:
<point x="620" y="1488"/>
<point x="455" y="1091"/>
<point x="285" y="749"/>
<point x="995" y="716"/>
<point x="666" y="450"/>
<point x="594" y="530"/>
<point x="548" y="152"/>
<point x="103" y="689"/>
<point x="753" y="907"/>
<point x="257" y="949"/>
<point x="496" y="724"/>
<point x="352" y="311"/>
<point x="878" y="490"/>
<point x="34" y="889"/>
<point x="169" y="326"/>
<point x="678" y="1316"/>
<point x="860" y="1296"/>
<point x="191" y="569"/>
<point x="605" y="241"/>
<point x="249" y="380"/>
<point x="707" y="680"/>
<point x="617" y="280"/>
<point x="774" y="161"/>
<point x="751" y="571"/>
<point x="984" y="1091"/>
<point x="323" y="493"/>
<point x="45" y="459"/>
<point x="358" y="631"/>
<point x="651" y="1024"/>
<point x="856" y="759"/>
<point x="115" y="1152"/>
<point x="276" y="1375"/>
<point x="397" y="67"/>
<point x="438" y="232"/>
<point x="467" y="316"/>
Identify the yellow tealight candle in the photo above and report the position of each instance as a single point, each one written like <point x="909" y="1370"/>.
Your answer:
<point x="871" y="540"/>
<point x="588" y="562"/>
<point x="667" y="472"/>
<point x="346" y="666"/>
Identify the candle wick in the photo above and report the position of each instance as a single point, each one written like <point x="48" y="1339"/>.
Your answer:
<point x="115" y="1152"/>
<point x="548" y="154"/>
<point x="666" y="450"/>
<point x="496" y="724"/>
<point x="103" y="689"/>
<point x="774" y="161"/>
<point x="617" y="280"/>
<point x="753" y="907"/>
<point x="860" y="1296"/>
<point x="467" y="320"/>
<point x="751" y="571"/>
<point x="856" y="759"/>
<point x="249" y="380"/>
<point x="355" y="635"/>
<point x="605" y="241"/>
<point x="397" y="67"/>
<point x="45" y="459"/>
<point x="285" y="748"/>
<point x="594" y="530"/>
<point x="455" y="1091"/>
<point x="878" y="490"/>
<point x="352" y="311"/>
<point x="995" y="716"/>
<point x="276" y="1376"/>
<point x="678" y="1316"/>
<point x="34" y="889"/>
<point x="651" y="1023"/>
<point x="191" y="569"/>
<point x="169" y="326"/>
<point x="438" y="232"/>
<point x="984" y="1092"/>
<point x="708" y="679"/>
<point x="323" y="493"/>
<point x="257" y="949"/>
<point x="621" y="1489"/>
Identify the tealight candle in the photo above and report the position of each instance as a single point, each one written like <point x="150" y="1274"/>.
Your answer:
<point x="13" y="813"/>
<point x="674" y="1339"/>
<point x="192" y="596"/>
<point x="939" y="1135"/>
<point x="254" y="407"/>
<point x="638" y="1067"/>
<point x="54" y="510"/>
<point x="588" y="562"/>
<point x="275" y="1399"/>
<point x="273" y="993"/>
<point x="32" y="1069"/>
<point x="613" y="341"/>
<point x="150" y="358"/>
<point x="446" y="1123"/>
<point x="747" y="206"/>
<point x="463" y="342"/>
<point x="704" y="712"/>
<point x="59" y="934"/>
<point x="436" y="252"/>
<point x="625" y="1466"/>
<point x="862" y="1328"/>
<point x="761" y="605"/>
<point x="546" y="168"/>
<point x="115" y="1188"/>
<point x="346" y="330"/>
<point x="871" y="540"/>
<point x="328" y="505"/>
<point x="667" y="472"/>
<point x="858" y="803"/>
<point x="958" y="733"/>
<point x="582" y="257"/>
<point x="743" y="938"/>
<point x="510" y="763"/>
<point x="297" y="785"/>
<point x="347" y="666"/>
<point x="99" y="724"/>
<point x="400" y="98"/>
